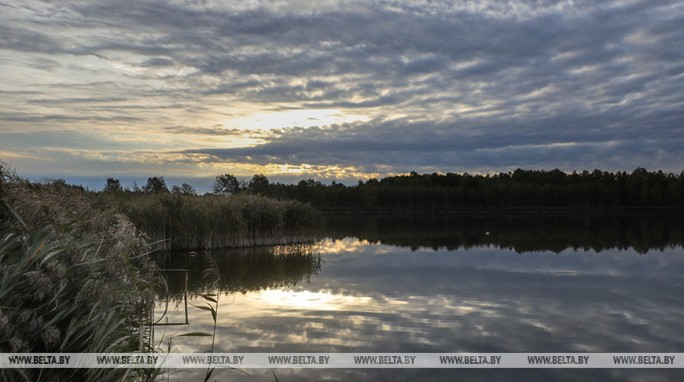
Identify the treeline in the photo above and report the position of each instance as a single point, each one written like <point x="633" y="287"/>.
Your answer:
<point x="518" y="189"/>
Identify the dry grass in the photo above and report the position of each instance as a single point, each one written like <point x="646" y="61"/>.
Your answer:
<point x="72" y="278"/>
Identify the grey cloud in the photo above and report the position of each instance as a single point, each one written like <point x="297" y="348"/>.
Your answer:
<point x="28" y="117"/>
<point x="566" y="143"/>
<point x="215" y="131"/>
<point x="26" y="40"/>
<point x="478" y="84"/>
<point x="58" y="101"/>
<point x="158" y="61"/>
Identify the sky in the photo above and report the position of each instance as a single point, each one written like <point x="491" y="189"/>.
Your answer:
<point x="338" y="90"/>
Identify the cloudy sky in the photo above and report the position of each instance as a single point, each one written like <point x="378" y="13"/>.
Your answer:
<point x="339" y="89"/>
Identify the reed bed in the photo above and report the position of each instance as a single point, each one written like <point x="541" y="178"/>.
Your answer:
<point x="189" y="222"/>
<point x="73" y="279"/>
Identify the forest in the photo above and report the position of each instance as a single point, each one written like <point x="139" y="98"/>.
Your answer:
<point x="517" y="189"/>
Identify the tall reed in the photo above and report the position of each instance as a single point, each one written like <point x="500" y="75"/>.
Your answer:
<point x="216" y="221"/>
<point x="73" y="279"/>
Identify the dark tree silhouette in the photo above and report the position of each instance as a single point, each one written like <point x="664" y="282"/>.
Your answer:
<point x="226" y="184"/>
<point x="517" y="189"/>
<point x="259" y="184"/>
<point x="156" y="185"/>
<point x="183" y="189"/>
<point x="112" y="185"/>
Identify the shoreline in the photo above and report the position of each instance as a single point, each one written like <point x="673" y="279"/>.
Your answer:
<point x="667" y="211"/>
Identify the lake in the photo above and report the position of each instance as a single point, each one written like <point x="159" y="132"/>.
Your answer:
<point x="440" y="285"/>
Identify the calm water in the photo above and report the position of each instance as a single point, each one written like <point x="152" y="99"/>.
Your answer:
<point x="446" y="286"/>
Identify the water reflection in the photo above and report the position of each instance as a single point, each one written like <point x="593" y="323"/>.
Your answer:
<point x="350" y="294"/>
<point x="241" y="270"/>
<point x="307" y="300"/>
<point x="521" y="234"/>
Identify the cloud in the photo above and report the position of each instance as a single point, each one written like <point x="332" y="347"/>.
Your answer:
<point x="392" y="299"/>
<point x="441" y="85"/>
<point x="21" y="39"/>
<point x="408" y="145"/>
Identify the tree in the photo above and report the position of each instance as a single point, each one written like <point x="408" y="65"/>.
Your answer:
<point x="156" y="185"/>
<point x="226" y="184"/>
<point x="183" y="189"/>
<point x="259" y="184"/>
<point x="113" y="185"/>
<point x="187" y="189"/>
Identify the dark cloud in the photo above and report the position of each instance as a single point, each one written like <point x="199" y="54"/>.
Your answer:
<point x="215" y="131"/>
<point x="158" y="61"/>
<point x="579" y="142"/>
<point x="472" y="85"/>
<point x="26" y="40"/>
<point x="32" y="118"/>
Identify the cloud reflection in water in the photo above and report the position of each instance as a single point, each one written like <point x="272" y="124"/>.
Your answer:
<point x="376" y="298"/>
